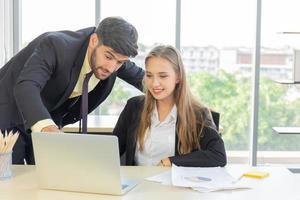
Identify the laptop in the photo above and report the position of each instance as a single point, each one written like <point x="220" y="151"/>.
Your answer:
<point x="80" y="163"/>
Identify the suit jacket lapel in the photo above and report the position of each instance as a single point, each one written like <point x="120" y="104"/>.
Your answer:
<point x="74" y="74"/>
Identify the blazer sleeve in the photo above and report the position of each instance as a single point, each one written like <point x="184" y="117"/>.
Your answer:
<point x="211" y="154"/>
<point x="127" y="125"/>
<point x="37" y="71"/>
<point x="121" y="127"/>
<point x="132" y="74"/>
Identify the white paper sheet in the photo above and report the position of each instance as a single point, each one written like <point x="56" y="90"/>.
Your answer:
<point x="163" y="178"/>
<point x="205" y="179"/>
<point x="202" y="179"/>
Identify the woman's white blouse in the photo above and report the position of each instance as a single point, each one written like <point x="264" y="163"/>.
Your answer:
<point x="159" y="139"/>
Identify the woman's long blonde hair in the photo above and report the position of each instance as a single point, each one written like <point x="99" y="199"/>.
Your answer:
<point x="187" y="121"/>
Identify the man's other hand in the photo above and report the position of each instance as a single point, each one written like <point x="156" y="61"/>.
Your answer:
<point x="51" y="128"/>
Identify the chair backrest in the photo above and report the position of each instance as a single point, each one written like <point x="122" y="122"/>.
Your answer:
<point x="216" y="118"/>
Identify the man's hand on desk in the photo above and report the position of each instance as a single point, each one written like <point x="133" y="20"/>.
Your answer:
<point x="51" y="128"/>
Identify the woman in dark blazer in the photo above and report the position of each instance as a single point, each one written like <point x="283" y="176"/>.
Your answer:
<point x="168" y="125"/>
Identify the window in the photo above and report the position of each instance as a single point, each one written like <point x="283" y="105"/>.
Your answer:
<point x="155" y="23"/>
<point x="222" y="35"/>
<point x="55" y="15"/>
<point x="279" y="103"/>
<point x="217" y="40"/>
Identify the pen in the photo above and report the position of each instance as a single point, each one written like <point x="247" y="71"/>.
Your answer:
<point x="289" y="32"/>
<point x="197" y="178"/>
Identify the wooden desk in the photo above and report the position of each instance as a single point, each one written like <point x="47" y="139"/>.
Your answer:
<point x="281" y="184"/>
<point x="96" y="123"/>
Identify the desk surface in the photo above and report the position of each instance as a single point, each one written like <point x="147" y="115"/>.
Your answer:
<point x="96" y="123"/>
<point x="287" y="130"/>
<point x="281" y="184"/>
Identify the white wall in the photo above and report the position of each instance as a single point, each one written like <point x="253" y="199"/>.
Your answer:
<point x="6" y="27"/>
<point x="1" y="33"/>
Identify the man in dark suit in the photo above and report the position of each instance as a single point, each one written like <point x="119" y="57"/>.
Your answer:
<point x="41" y="86"/>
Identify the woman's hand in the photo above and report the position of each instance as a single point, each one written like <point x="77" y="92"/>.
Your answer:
<point x="165" y="163"/>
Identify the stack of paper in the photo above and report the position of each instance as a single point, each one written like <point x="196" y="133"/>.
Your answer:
<point x="202" y="179"/>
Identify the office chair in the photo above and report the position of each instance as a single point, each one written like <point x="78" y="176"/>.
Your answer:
<point x="216" y="118"/>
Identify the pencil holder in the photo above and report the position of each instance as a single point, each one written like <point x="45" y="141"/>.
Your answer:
<point x="5" y="165"/>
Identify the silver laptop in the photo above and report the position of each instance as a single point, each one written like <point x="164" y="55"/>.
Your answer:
<point x="79" y="162"/>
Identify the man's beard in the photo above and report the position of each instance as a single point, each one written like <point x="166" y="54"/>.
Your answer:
<point x="95" y="68"/>
<point x="93" y="61"/>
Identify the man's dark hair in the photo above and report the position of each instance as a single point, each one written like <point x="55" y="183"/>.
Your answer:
<point x="119" y="35"/>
